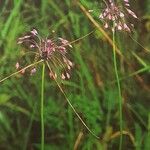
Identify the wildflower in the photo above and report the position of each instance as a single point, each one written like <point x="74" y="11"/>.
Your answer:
<point x="33" y="71"/>
<point x="114" y="16"/>
<point x="52" y="51"/>
<point x="63" y="76"/>
<point x="17" y="65"/>
<point x="23" y="71"/>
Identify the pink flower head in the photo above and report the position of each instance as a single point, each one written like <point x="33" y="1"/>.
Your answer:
<point x="52" y="51"/>
<point x="34" y="32"/>
<point x="33" y="71"/>
<point x="114" y="16"/>
<point x="17" y="65"/>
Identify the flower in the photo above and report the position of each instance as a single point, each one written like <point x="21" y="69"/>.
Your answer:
<point x="52" y="51"/>
<point x="33" y="71"/>
<point x="17" y="65"/>
<point x="114" y="16"/>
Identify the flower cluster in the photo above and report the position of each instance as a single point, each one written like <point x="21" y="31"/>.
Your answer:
<point x="52" y="51"/>
<point x="114" y="16"/>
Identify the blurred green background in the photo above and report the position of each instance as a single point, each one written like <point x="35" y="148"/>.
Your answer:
<point x="92" y="87"/>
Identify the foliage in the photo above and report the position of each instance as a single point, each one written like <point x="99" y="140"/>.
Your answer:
<point x="92" y="87"/>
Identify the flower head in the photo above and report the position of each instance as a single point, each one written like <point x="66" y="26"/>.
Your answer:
<point x="114" y="16"/>
<point x="52" y="51"/>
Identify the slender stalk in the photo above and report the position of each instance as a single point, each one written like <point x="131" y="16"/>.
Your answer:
<point x="31" y="65"/>
<point x="42" y="108"/>
<point x="75" y="110"/>
<point x="119" y="90"/>
<point x="69" y="102"/>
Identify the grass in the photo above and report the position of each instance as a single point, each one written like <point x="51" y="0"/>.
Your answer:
<point x="92" y="87"/>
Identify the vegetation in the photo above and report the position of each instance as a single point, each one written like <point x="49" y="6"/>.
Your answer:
<point x="92" y="87"/>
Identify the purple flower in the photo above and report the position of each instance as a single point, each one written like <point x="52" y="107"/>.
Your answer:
<point x="34" y="32"/>
<point x="52" y="51"/>
<point x="114" y="16"/>
<point x="17" y="65"/>
<point x="33" y="71"/>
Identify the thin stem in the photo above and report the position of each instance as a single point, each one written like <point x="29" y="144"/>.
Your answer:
<point x="119" y="89"/>
<point x="31" y="65"/>
<point x="42" y="108"/>
<point x="72" y="106"/>
<point x="82" y="37"/>
<point x="147" y="50"/>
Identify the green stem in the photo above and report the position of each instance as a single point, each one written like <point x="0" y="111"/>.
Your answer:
<point x="42" y="108"/>
<point x="119" y="90"/>
<point x="31" y="65"/>
<point x="69" y="102"/>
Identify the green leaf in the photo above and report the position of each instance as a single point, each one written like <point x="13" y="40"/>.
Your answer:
<point x="4" y="98"/>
